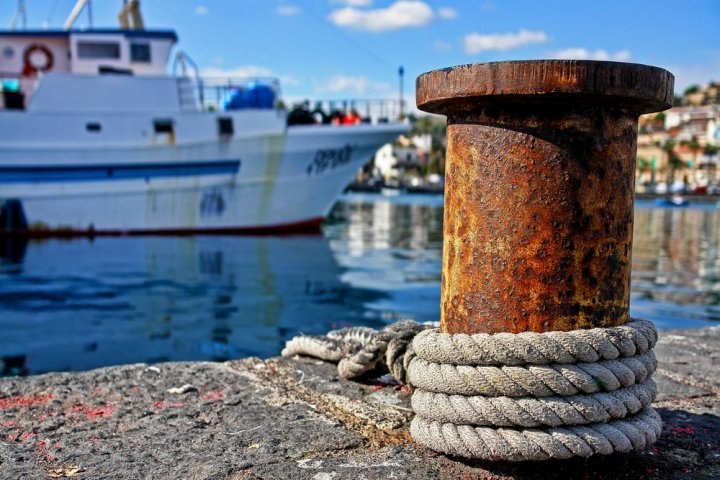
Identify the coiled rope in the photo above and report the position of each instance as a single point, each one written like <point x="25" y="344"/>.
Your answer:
<point x="513" y="397"/>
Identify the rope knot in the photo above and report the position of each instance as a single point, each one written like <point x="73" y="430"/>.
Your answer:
<point x="526" y="396"/>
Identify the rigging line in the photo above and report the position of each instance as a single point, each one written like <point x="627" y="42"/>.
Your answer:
<point x="346" y="37"/>
<point x="51" y="14"/>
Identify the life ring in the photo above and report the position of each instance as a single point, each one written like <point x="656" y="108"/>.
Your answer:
<point x="31" y="67"/>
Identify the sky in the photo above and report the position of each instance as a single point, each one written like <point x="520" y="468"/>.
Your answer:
<point x="343" y="49"/>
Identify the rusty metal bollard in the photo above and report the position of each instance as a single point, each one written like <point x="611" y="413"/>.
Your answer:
<point x="539" y="190"/>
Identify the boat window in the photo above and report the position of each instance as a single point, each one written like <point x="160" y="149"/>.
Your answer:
<point x="93" y="127"/>
<point x="163" y="126"/>
<point x="140" y="52"/>
<point x="225" y="127"/>
<point x="8" y="52"/>
<point x="96" y="50"/>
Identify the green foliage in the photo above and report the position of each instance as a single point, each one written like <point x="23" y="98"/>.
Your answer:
<point x="675" y="162"/>
<point x="711" y="149"/>
<point x="691" y="89"/>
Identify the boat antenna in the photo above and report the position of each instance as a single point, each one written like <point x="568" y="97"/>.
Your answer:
<point x="401" y="74"/>
<point x="21" y="14"/>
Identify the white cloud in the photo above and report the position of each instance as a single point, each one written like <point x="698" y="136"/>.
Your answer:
<point x="288" y="10"/>
<point x="355" y="3"/>
<point x="401" y="14"/>
<point x="244" y="71"/>
<point x="488" y="6"/>
<point x="289" y="81"/>
<point x="201" y="10"/>
<point x="477" y="43"/>
<point x="447" y="13"/>
<point x="599" y="54"/>
<point x="353" y="85"/>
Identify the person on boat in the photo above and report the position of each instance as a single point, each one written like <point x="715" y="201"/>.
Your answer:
<point x="352" y="118"/>
<point x="319" y="115"/>
<point x="337" y="117"/>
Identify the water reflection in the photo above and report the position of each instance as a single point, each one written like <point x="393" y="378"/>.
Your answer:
<point x="391" y="244"/>
<point x="79" y="304"/>
<point x="70" y="305"/>
<point x="676" y="265"/>
<point x="395" y="244"/>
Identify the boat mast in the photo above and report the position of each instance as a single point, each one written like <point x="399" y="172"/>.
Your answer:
<point x="75" y="13"/>
<point x="21" y="14"/>
<point x="130" y="16"/>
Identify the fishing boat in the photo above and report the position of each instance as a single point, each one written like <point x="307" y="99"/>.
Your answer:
<point x="96" y="137"/>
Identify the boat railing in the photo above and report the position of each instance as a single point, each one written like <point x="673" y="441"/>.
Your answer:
<point x="221" y="94"/>
<point x="349" y="111"/>
<point x="218" y="94"/>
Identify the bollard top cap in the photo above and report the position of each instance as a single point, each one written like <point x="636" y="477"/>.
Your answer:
<point x="641" y="88"/>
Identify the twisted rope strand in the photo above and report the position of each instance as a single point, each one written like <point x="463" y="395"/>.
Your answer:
<point x="532" y="380"/>
<point x="488" y="443"/>
<point x="533" y="412"/>
<point x="635" y="337"/>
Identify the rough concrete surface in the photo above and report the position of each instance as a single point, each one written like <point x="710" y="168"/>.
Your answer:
<point x="295" y="419"/>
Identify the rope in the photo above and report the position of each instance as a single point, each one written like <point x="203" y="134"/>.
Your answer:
<point x="635" y="337"/>
<point x="527" y="396"/>
<point x="632" y="433"/>
<point x="531" y="380"/>
<point x="360" y="350"/>
<point x="533" y="412"/>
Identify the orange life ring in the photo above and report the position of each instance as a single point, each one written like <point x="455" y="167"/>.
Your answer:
<point x="31" y="68"/>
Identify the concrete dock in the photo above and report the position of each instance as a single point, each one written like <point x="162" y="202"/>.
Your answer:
<point x="295" y="419"/>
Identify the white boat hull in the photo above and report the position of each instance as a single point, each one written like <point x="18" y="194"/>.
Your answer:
<point x="266" y="182"/>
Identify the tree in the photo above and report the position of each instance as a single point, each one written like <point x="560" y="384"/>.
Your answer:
<point x="691" y="89"/>
<point x="711" y="151"/>
<point x="694" y="146"/>
<point x="668" y="146"/>
<point x="675" y="164"/>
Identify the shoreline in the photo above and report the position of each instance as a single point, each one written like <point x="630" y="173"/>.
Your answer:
<point x="294" y="418"/>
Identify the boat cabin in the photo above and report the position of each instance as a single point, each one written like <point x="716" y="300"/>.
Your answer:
<point x="136" y="52"/>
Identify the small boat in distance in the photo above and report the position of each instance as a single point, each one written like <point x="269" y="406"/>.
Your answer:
<point x="95" y="137"/>
<point x="676" y="200"/>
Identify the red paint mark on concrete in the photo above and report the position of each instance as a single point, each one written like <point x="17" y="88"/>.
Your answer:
<point x="214" y="396"/>
<point x="24" y="401"/>
<point x="40" y="450"/>
<point x="101" y="412"/>
<point x="26" y="436"/>
<point x="689" y="430"/>
<point x="13" y="436"/>
<point x="162" y="405"/>
<point x="57" y="445"/>
<point x="10" y="423"/>
<point x="135" y="389"/>
<point x="94" y="439"/>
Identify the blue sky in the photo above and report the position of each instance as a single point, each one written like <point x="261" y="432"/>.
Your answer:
<point x="334" y="49"/>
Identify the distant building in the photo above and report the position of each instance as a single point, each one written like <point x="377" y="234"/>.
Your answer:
<point x="702" y="123"/>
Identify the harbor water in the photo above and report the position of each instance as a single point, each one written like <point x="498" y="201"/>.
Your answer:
<point x="76" y="304"/>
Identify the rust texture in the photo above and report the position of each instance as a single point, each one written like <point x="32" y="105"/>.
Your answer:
<point x="539" y="190"/>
